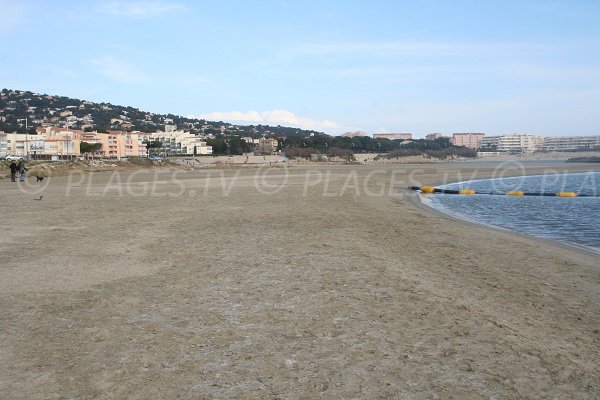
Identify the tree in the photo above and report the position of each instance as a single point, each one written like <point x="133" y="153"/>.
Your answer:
<point x="152" y="146"/>
<point x="86" y="147"/>
<point x="218" y="146"/>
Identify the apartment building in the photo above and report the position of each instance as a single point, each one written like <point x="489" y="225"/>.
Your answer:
<point x="65" y="143"/>
<point x="43" y="145"/>
<point x="3" y="152"/>
<point x="470" y="140"/>
<point x="114" y="144"/>
<point x="489" y="143"/>
<point x="176" y="142"/>
<point x="571" y="143"/>
<point x="520" y="143"/>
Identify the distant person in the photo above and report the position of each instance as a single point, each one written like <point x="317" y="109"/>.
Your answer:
<point x="13" y="171"/>
<point x="22" y="170"/>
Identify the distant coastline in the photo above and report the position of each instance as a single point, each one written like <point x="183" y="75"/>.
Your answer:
<point x="592" y="159"/>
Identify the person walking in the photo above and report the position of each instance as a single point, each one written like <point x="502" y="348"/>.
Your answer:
<point x="13" y="171"/>
<point x="22" y="170"/>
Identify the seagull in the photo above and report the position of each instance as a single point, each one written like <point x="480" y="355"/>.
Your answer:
<point x="41" y="196"/>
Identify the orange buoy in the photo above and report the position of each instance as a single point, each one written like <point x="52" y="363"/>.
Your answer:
<point x="566" y="194"/>
<point x="466" y="191"/>
<point x="427" y="189"/>
<point x="515" y="193"/>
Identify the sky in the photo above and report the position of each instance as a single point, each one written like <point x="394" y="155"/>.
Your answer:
<point x="392" y="66"/>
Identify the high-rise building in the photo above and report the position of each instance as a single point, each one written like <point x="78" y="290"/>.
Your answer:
<point x="573" y="143"/>
<point x="520" y="143"/>
<point x="489" y="143"/>
<point x="470" y="140"/>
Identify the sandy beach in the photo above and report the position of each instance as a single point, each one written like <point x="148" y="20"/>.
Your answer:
<point x="285" y="283"/>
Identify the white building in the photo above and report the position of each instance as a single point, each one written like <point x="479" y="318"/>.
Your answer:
<point x="520" y="143"/>
<point x="489" y="143"/>
<point x="176" y="143"/>
<point x="571" y="143"/>
<point x="3" y="151"/>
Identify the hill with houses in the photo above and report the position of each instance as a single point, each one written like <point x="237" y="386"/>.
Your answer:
<point x="22" y="111"/>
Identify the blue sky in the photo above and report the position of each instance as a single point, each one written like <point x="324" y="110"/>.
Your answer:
<point x="378" y="66"/>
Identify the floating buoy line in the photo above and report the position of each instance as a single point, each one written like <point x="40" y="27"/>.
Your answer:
<point x="433" y="189"/>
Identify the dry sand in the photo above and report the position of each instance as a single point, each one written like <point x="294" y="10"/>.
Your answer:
<point x="299" y="283"/>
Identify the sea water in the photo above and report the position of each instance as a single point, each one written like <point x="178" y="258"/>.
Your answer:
<point x="572" y="220"/>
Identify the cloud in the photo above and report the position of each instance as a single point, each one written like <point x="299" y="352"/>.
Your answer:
<point x="118" y="71"/>
<point x="273" y="117"/>
<point x="138" y="9"/>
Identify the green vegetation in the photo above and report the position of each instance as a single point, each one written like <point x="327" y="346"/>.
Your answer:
<point x="153" y="146"/>
<point x="86" y="147"/>
<point x="17" y="105"/>
<point x="339" y="146"/>
<point x="592" y="159"/>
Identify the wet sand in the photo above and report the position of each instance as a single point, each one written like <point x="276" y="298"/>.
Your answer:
<point x="293" y="283"/>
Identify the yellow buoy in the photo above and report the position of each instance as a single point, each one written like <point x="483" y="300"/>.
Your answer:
<point x="467" y="191"/>
<point x="515" y="193"/>
<point x="566" y="194"/>
<point x="427" y="189"/>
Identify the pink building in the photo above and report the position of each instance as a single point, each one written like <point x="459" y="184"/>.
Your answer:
<point x="470" y="140"/>
<point x="114" y="144"/>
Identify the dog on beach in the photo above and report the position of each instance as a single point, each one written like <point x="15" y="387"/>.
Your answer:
<point x="39" y="178"/>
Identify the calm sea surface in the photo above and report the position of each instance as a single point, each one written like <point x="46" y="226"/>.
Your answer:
<point x="574" y="221"/>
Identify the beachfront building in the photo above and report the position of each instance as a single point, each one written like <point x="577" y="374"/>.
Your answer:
<point x="111" y="144"/>
<point x="3" y="144"/>
<point x="176" y="143"/>
<point x="571" y="143"/>
<point x="469" y="140"/>
<point x="393" y="136"/>
<point x="43" y="146"/>
<point x="61" y="143"/>
<point x="117" y="144"/>
<point x="520" y="143"/>
<point x="489" y="143"/>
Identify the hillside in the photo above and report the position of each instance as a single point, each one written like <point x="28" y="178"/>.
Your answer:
<point x="24" y="110"/>
<point x="46" y="110"/>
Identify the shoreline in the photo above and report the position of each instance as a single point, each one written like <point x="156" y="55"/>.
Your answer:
<point x="420" y="199"/>
<point x="308" y="282"/>
<point x="567" y="246"/>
